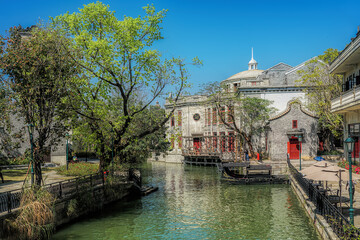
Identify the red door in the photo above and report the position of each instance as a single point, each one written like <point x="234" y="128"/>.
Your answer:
<point x="197" y="144"/>
<point x="293" y="148"/>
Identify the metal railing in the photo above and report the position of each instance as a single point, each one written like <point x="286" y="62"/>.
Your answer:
<point x="11" y="200"/>
<point x="337" y="221"/>
<point x="226" y="147"/>
<point x="350" y="84"/>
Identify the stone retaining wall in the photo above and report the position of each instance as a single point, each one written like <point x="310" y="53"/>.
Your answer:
<point x="318" y="221"/>
<point x="88" y="201"/>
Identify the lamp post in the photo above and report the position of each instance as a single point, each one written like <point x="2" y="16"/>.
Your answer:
<point x="30" y="126"/>
<point x="67" y="151"/>
<point x="300" y="141"/>
<point x="349" y="143"/>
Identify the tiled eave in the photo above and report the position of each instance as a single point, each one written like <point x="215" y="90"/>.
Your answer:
<point x="287" y="110"/>
<point x="271" y="89"/>
<point x="347" y="58"/>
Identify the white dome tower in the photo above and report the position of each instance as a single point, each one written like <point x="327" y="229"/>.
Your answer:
<point x="252" y="64"/>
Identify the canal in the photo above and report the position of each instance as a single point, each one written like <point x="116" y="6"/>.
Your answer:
<point x="193" y="203"/>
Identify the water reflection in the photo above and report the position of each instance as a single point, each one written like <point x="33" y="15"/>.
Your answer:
<point x="192" y="203"/>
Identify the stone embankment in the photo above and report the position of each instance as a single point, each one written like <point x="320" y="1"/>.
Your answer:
<point x="82" y="196"/>
<point x="318" y="220"/>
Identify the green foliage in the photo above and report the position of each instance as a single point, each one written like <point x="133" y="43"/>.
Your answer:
<point x="122" y="77"/>
<point x="83" y="201"/>
<point x="321" y="87"/>
<point x="72" y="208"/>
<point x="81" y="154"/>
<point x="36" y="70"/>
<point x="36" y="217"/>
<point x="78" y="169"/>
<point x="329" y="55"/>
<point x="20" y="160"/>
<point x="23" y="159"/>
<point x="333" y="152"/>
<point x="248" y="116"/>
<point x="350" y="233"/>
<point x="138" y="150"/>
<point x="254" y="112"/>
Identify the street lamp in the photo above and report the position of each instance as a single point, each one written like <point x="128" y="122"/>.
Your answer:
<point x="67" y="151"/>
<point x="300" y="141"/>
<point x="30" y="128"/>
<point x="349" y="143"/>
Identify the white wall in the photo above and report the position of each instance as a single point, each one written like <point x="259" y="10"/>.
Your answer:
<point x="281" y="99"/>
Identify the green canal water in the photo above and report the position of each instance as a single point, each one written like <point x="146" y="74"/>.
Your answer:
<point x="192" y="203"/>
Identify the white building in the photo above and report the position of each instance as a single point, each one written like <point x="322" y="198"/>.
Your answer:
<point x="193" y="117"/>
<point x="347" y="64"/>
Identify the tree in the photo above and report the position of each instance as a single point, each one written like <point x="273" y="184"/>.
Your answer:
<point x="320" y="87"/>
<point x="117" y="59"/>
<point x="140" y="149"/>
<point x="36" y="71"/>
<point x="244" y="115"/>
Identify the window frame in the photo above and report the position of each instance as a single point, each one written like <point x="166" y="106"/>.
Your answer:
<point x="294" y="124"/>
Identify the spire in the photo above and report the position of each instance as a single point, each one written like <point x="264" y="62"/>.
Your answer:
<point x="252" y="64"/>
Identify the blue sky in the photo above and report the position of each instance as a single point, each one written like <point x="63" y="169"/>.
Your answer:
<point x="221" y="33"/>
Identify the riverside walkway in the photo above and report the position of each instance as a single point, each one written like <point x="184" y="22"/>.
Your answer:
<point x="49" y="177"/>
<point x="345" y="192"/>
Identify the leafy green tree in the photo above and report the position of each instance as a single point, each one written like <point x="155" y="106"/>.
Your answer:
<point x="320" y="87"/>
<point x="36" y="70"/>
<point x="140" y="149"/>
<point x="118" y="61"/>
<point x="245" y="115"/>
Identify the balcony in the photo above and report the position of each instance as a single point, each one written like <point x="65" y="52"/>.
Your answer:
<point x="350" y="84"/>
<point x="349" y="100"/>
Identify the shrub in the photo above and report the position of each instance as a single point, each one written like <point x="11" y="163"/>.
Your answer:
<point x="332" y="152"/>
<point x="78" y="169"/>
<point x="85" y="154"/>
<point x="36" y="217"/>
<point x="23" y="159"/>
<point x="345" y="164"/>
<point x="72" y="208"/>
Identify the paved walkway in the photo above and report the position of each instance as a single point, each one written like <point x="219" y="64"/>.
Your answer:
<point x="345" y="192"/>
<point x="49" y="177"/>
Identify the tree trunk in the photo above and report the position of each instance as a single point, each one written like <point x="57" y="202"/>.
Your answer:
<point x="251" y="149"/>
<point x="328" y="140"/>
<point x="103" y="157"/>
<point x="38" y="174"/>
<point x="250" y="146"/>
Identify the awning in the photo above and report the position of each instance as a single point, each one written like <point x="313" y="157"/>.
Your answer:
<point x="294" y="133"/>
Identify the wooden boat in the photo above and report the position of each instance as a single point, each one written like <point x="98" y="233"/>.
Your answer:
<point x="245" y="173"/>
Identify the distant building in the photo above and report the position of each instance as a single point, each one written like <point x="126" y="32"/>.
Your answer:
<point x="347" y="64"/>
<point x="195" y="117"/>
<point x="15" y="142"/>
